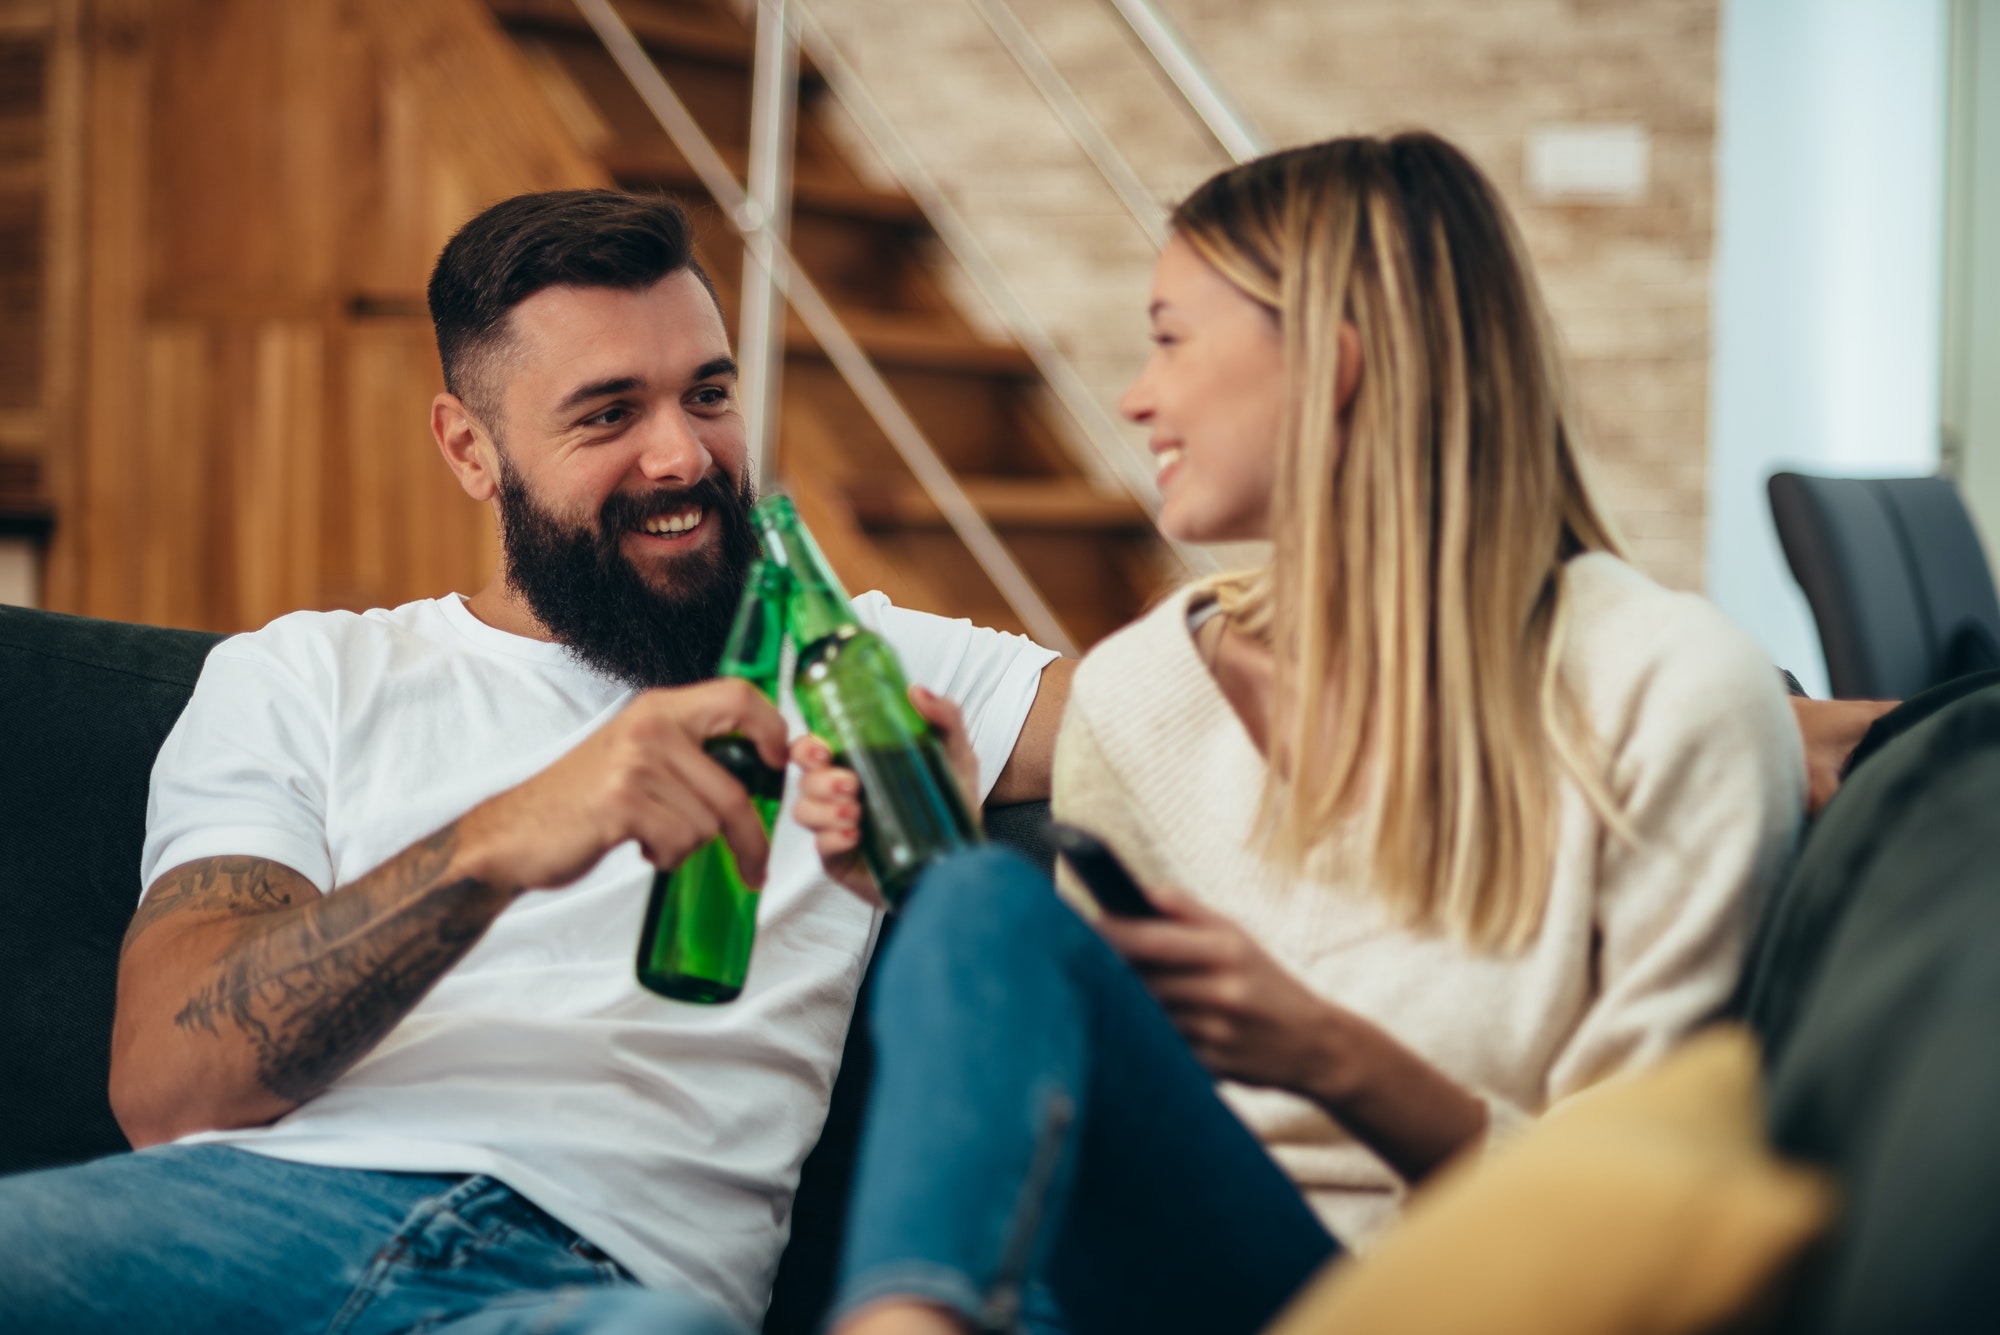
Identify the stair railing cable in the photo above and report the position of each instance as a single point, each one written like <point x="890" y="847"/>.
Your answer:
<point x="774" y="88"/>
<point x="1114" y="461"/>
<point x="1076" y="119"/>
<point x="841" y="347"/>
<point x="1198" y="88"/>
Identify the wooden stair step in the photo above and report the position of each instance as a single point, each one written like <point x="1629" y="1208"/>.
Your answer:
<point x="812" y="192"/>
<point x="892" y="341"/>
<point x="917" y="343"/>
<point x="717" y="41"/>
<point x="1020" y="503"/>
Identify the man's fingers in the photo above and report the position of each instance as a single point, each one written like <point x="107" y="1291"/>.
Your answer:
<point x="744" y="832"/>
<point x="944" y="715"/>
<point x="726" y="705"/>
<point x="666" y="837"/>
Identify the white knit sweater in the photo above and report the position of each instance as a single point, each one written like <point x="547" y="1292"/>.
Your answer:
<point x="1636" y="946"/>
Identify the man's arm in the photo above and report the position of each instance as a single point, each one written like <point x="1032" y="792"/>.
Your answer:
<point x="1830" y="730"/>
<point x="243" y="992"/>
<point x="1031" y="766"/>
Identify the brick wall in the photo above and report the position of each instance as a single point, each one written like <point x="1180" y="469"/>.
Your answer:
<point x="1628" y="281"/>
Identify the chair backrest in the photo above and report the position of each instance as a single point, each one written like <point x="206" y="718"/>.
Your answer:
<point x="1896" y="576"/>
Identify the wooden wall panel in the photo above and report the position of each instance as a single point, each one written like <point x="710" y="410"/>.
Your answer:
<point x="411" y="531"/>
<point x="178" y="513"/>
<point x="268" y="186"/>
<point x="107" y="508"/>
<point x="62" y="286"/>
<point x="277" y="467"/>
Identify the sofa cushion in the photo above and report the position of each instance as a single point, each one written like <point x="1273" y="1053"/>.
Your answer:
<point x="1875" y="988"/>
<point x="84" y="707"/>
<point x="1643" y="1206"/>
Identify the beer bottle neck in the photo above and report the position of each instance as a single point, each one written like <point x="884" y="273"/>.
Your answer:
<point x="756" y="638"/>
<point x="819" y="606"/>
<point x="818" y="612"/>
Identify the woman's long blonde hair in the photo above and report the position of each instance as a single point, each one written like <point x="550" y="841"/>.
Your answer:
<point x="1414" y="602"/>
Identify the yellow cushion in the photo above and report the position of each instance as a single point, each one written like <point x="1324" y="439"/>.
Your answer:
<point x="1646" y="1205"/>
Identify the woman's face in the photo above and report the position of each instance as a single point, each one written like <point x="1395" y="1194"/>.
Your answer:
<point x="1213" y="395"/>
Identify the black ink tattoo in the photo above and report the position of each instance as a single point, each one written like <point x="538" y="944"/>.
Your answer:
<point x="230" y="885"/>
<point x="317" y="986"/>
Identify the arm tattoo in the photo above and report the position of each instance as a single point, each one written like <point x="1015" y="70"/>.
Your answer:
<point x="235" y="886"/>
<point x="314" y="986"/>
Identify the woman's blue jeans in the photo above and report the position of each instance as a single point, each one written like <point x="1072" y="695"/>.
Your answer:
<point x="1036" y="1120"/>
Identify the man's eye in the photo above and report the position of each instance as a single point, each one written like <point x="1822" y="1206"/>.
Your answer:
<point x="611" y="416"/>
<point x="710" y="396"/>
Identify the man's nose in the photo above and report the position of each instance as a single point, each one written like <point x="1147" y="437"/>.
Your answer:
<point x="672" y="453"/>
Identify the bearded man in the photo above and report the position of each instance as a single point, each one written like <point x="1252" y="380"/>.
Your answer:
<point x="378" y="1040"/>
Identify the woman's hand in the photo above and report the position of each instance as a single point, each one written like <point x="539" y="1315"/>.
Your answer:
<point x="1249" y="1019"/>
<point x="1246" y="1016"/>
<point x="829" y="801"/>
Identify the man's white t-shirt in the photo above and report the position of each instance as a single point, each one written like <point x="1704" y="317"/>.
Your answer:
<point x="670" y="1135"/>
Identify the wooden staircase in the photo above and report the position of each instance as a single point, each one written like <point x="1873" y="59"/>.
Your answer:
<point x="1093" y="554"/>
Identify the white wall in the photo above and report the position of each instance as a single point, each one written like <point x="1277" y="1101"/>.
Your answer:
<point x="1829" y="236"/>
<point x="1972" y="264"/>
<point x="19" y="572"/>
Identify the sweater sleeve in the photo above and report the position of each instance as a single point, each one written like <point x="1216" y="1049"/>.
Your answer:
<point x="1088" y="792"/>
<point x="1707" y="766"/>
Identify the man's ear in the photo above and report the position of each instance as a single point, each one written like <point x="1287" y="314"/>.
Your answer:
<point x="1349" y="375"/>
<point x="466" y="447"/>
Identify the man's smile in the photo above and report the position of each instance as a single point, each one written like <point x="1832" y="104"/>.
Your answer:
<point x="673" y="528"/>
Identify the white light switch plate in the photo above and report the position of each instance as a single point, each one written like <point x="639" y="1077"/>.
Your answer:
<point x="1589" y="163"/>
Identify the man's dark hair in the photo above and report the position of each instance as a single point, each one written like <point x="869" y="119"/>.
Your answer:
<point x="580" y="238"/>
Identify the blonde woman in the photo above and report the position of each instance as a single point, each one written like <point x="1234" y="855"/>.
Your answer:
<point x="1465" y="813"/>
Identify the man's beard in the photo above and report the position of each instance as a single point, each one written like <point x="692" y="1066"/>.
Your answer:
<point x="579" y="584"/>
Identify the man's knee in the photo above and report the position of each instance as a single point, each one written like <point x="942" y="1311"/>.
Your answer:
<point x="52" y="1245"/>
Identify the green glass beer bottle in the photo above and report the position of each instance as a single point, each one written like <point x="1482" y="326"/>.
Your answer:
<point x="702" y="918"/>
<point x="853" y="696"/>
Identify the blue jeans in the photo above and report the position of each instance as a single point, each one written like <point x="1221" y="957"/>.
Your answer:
<point x="209" y="1238"/>
<point x="1036" y="1120"/>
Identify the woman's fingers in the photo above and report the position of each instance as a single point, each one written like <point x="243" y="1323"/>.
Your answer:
<point x="1174" y="902"/>
<point x="829" y="806"/>
<point x="1155" y="944"/>
<point x="810" y="754"/>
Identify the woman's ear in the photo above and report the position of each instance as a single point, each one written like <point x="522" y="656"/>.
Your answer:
<point x="1348" y="376"/>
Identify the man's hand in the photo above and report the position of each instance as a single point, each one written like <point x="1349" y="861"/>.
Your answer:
<point x="642" y="776"/>
<point x="243" y="991"/>
<point x="1830" y="730"/>
<point x="829" y="801"/>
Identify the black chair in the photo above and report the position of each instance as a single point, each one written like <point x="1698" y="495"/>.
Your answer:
<point x="1897" y="580"/>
